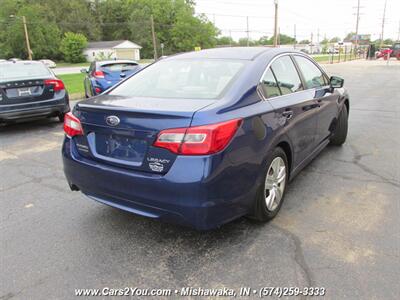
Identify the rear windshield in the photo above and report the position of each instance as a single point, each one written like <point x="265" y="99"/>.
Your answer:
<point x="119" y="67"/>
<point x="182" y="78"/>
<point x="22" y="71"/>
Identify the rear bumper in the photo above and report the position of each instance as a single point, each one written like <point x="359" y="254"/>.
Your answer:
<point x="189" y="194"/>
<point x="10" y="113"/>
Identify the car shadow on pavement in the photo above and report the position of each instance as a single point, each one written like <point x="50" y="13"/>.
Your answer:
<point x="29" y="126"/>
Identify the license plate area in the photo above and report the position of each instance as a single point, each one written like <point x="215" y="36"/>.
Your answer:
<point x="24" y="92"/>
<point x="119" y="148"/>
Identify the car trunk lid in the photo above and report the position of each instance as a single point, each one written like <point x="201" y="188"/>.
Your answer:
<point x="120" y="131"/>
<point x="25" y="91"/>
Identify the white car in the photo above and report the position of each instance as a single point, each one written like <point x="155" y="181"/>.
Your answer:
<point x="49" y="63"/>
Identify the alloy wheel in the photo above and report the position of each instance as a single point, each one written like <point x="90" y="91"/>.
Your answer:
<point x="275" y="183"/>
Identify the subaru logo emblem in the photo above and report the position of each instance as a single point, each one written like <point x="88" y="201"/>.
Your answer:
<point x="112" y="120"/>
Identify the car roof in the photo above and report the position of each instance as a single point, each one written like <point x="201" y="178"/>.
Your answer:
<point x="245" y="53"/>
<point x="20" y="62"/>
<point x="115" y="61"/>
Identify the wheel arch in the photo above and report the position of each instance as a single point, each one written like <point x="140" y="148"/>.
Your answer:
<point x="285" y="146"/>
<point x="347" y="104"/>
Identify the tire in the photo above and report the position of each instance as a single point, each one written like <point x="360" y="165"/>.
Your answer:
<point x="340" y="134"/>
<point x="61" y="117"/>
<point x="263" y="212"/>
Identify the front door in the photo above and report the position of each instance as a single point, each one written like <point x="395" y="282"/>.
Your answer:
<point x="295" y="108"/>
<point x="316" y="81"/>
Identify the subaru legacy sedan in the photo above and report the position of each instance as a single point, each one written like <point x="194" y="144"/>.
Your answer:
<point x="205" y="137"/>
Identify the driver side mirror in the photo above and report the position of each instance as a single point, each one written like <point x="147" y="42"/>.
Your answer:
<point x="336" y="82"/>
<point x="85" y="70"/>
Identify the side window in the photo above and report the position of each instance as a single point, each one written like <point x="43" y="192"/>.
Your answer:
<point x="286" y="75"/>
<point x="312" y="75"/>
<point x="269" y="85"/>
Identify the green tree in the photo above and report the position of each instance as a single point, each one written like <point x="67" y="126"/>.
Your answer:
<point x="225" y="40"/>
<point x="264" y="40"/>
<point x="349" y="36"/>
<point x="72" y="46"/>
<point x="324" y="41"/>
<point x="334" y="40"/>
<point x="44" y="35"/>
<point x="388" y="42"/>
<point x="285" y="39"/>
<point x="304" y="42"/>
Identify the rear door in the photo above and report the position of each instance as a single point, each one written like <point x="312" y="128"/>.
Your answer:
<point x="317" y="82"/>
<point x="296" y="109"/>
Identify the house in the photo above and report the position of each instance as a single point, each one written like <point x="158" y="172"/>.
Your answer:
<point x="112" y="50"/>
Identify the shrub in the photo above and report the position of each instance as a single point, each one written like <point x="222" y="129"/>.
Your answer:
<point x="72" y="46"/>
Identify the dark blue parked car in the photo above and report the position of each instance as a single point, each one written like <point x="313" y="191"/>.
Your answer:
<point x="205" y="137"/>
<point x="102" y="75"/>
<point x="29" y="90"/>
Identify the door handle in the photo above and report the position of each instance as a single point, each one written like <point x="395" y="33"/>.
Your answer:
<point x="288" y="114"/>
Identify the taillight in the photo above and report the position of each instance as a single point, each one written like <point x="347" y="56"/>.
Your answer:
<point x="98" y="74"/>
<point x="97" y="90"/>
<point x="57" y="84"/>
<point x="72" y="125"/>
<point x="198" y="140"/>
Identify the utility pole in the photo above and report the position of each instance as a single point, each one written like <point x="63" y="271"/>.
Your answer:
<point x="276" y="24"/>
<point x="295" y="36"/>
<point x="357" y="21"/>
<point x="398" y="34"/>
<point x="318" y="36"/>
<point x="383" y="23"/>
<point x="247" y="30"/>
<point x="28" y="46"/>
<point x="154" y="37"/>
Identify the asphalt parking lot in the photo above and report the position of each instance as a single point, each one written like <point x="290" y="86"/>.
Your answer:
<point x="339" y="227"/>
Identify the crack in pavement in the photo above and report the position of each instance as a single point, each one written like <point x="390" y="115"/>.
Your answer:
<point x="298" y="256"/>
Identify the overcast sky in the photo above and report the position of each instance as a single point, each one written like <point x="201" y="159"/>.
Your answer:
<point x="330" y="17"/>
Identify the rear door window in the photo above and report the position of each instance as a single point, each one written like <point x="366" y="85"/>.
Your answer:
<point x="312" y="75"/>
<point x="286" y="75"/>
<point x="269" y="85"/>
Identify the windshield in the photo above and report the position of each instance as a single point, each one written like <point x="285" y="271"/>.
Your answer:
<point x="119" y="67"/>
<point x="22" y="71"/>
<point x="182" y="78"/>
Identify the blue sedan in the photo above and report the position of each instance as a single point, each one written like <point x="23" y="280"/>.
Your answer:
<point x="205" y="137"/>
<point x="102" y="75"/>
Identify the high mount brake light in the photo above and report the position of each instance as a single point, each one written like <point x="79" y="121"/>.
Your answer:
<point x="198" y="140"/>
<point x="72" y="125"/>
<point x="57" y="84"/>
